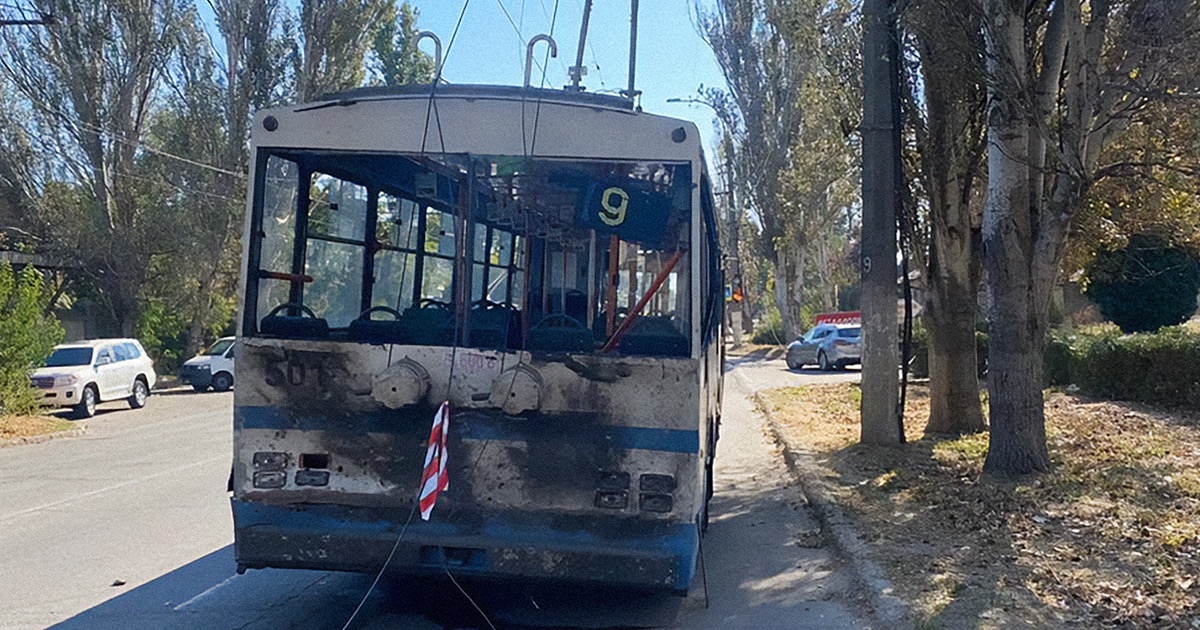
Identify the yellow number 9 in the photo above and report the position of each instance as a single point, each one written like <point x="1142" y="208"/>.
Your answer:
<point x="614" y="215"/>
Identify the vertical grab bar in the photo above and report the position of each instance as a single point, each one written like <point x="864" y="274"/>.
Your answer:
<point x="529" y="54"/>
<point x="437" y="51"/>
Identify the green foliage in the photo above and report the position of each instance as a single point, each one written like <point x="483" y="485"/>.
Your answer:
<point x="1146" y="285"/>
<point x="27" y="336"/>
<point x="1160" y="368"/>
<point x="1057" y="361"/>
<point x="770" y="330"/>
<point x="163" y="334"/>
<point x="335" y="38"/>
<point x="166" y="319"/>
<point x="398" y="61"/>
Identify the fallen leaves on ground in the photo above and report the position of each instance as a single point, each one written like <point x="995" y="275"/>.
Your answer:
<point x="1109" y="538"/>
<point x="29" y="426"/>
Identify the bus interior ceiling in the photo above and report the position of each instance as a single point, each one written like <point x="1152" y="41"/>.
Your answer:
<point x="503" y="252"/>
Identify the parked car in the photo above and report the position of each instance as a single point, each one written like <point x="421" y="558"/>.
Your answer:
<point x="829" y="346"/>
<point x="211" y="368"/>
<point x="83" y="374"/>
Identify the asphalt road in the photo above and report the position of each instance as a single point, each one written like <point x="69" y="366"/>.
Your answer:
<point x="128" y="526"/>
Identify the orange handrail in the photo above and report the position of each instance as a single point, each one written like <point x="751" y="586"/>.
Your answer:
<point x="637" y="310"/>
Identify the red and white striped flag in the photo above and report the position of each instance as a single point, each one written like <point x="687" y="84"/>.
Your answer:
<point x="434" y="479"/>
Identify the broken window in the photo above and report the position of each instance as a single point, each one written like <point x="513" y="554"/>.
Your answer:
<point x="543" y="254"/>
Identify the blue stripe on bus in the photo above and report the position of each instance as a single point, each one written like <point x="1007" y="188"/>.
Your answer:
<point x="474" y="425"/>
<point x="608" y="536"/>
<point x="644" y="438"/>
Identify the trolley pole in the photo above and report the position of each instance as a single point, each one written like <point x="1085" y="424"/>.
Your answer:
<point x="632" y="93"/>
<point x="578" y="71"/>
<point x="880" y="360"/>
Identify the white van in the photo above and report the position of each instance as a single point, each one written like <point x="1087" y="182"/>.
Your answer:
<point x="211" y="368"/>
<point x="84" y="373"/>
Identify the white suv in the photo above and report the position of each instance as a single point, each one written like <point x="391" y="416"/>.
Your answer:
<point x="84" y="373"/>
<point x="211" y="368"/>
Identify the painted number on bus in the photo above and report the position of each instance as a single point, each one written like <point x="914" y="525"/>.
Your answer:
<point x="614" y="203"/>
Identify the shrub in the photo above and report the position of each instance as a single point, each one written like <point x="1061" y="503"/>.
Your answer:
<point x="27" y="336"/>
<point x="1159" y="368"/>
<point x="770" y="331"/>
<point x="163" y="334"/>
<point x="1145" y="286"/>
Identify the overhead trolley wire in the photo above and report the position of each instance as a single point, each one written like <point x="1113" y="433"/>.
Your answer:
<point x="516" y="28"/>
<point x="548" y="16"/>
<point x="75" y="122"/>
<point x="538" y="112"/>
<point x="432" y="106"/>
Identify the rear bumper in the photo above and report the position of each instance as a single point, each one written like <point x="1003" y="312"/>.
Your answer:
<point x="845" y="357"/>
<point x="652" y="555"/>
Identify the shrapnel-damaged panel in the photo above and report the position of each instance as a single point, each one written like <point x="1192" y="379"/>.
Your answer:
<point x="337" y="377"/>
<point x="562" y="482"/>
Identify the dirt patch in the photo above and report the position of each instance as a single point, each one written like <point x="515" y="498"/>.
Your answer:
<point x="18" y="427"/>
<point x="1110" y="538"/>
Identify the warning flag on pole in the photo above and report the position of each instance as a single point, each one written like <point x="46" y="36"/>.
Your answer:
<point x="434" y="479"/>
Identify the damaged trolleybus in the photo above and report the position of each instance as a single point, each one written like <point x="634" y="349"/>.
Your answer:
<point x="546" y="262"/>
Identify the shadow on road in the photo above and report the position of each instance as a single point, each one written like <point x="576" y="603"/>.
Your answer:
<point x="756" y="572"/>
<point x="185" y="391"/>
<point x="815" y="371"/>
<point x="207" y="594"/>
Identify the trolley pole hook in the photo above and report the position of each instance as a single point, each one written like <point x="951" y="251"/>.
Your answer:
<point x="437" y="51"/>
<point x="529" y="54"/>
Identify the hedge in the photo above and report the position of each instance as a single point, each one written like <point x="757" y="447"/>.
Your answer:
<point x="1161" y="368"/>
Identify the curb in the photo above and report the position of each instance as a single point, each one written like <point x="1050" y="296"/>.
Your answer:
<point x="887" y="610"/>
<point x="45" y="437"/>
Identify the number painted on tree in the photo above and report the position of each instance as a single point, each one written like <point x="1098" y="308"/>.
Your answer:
<point x="613" y="213"/>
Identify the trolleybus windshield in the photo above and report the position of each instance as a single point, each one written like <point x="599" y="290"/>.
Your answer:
<point x="502" y="252"/>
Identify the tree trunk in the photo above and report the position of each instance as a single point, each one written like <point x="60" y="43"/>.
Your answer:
<point x="951" y="148"/>
<point x="195" y="337"/>
<point x="1017" y="442"/>
<point x="953" y="385"/>
<point x="783" y="291"/>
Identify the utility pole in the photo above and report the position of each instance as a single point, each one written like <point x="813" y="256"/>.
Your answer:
<point x="881" y="356"/>
<point x="733" y="262"/>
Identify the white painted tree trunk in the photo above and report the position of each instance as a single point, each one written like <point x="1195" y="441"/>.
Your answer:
<point x="1017" y="442"/>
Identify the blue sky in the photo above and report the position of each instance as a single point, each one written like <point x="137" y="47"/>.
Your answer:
<point x="673" y="60"/>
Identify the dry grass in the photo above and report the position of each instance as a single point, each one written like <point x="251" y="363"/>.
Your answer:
<point x="1110" y="538"/>
<point x="12" y="427"/>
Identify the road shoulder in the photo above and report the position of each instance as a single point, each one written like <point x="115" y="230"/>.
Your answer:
<point x="21" y="430"/>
